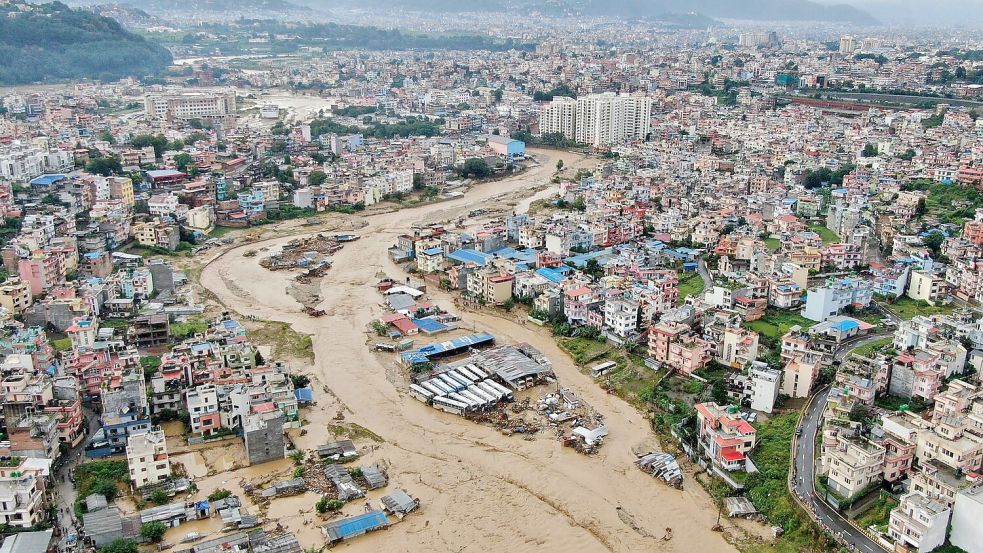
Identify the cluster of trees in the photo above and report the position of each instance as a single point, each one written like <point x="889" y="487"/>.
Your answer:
<point x="158" y="141"/>
<point x="560" y="90"/>
<point x="475" y="167"/>
<point x="354" y="111"/>
<point x="815" y="179"/>
<point x="99" y="164"/>
<point x="51" y="42"/>
<point x="411" y="126"/>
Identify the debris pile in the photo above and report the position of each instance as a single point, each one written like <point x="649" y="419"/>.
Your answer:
<point x="577" y="423"/>
<point x="304" y="253"/>
<point x="662" y="466"/>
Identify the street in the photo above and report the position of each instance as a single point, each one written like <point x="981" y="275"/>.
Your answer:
<point x="803" y="483"/>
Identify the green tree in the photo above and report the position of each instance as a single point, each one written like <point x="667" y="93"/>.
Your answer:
<point x="104" y="166"/>
<point x="475" y="167"/>
<point x="317" y="178"/>
<point x="869" y="151"/>
<point x="182" y="161"/>
<point x="934" y="242"/>
<point x="159" y="497"/>
<point x="158" y="141"/>
<point x="220" y="493"/>
<point x="593" y="269"/>
<point x="119" y="545"/>
<point x="153" y="531"/>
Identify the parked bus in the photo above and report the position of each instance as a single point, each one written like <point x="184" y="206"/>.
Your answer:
<point x="421" y="393"/>
<point x="601" y="368"/>
<point x="448" y="405"/>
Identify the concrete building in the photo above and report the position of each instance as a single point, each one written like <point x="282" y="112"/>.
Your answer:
<point x="852" y="464"/>
<point x="725" y="437"/>
<point x="610" y="118"/>
<point x="559" y="117"/>
<point x="263" y="436"/>
<point x="967" y="512"/>
<point x="764" y="388"/>
<point x="927" y="286"/>
<point x="206" y="106"/>
<point x="823" y="302"/>
<point x="801" y="373"/>
<point x="146" y="455"/>
<point x="919" y="522"/>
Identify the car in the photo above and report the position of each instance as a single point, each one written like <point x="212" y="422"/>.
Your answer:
<point x="798" y="431"/>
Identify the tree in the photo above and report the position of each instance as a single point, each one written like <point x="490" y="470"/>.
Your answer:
<point x="475" y="167"/>
<point x="220" y="493"/>
<point x="869" y="151"/>
<point x="182" y="161"/>
<point x="104" y="166"/>
<point x="593" y="269"/>
<point x="300" y="380"/>
<point x="159" y="497"/>
<point x="317" y="178"/>
<point x="119" y="545"/>
<point x="106" y="488"/>
<point x="559" y="165"/>
<point x="497" y="95"/>
<point x="934" y="242"/>
<point x="921" y="208"/>
<point x="158" y="141"/>
<point x="260" y="361"/>
<point x="153" y="531"/>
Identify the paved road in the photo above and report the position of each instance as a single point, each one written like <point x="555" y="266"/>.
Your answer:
<point x="805" y="455"/>
<point x="705" y="273"/>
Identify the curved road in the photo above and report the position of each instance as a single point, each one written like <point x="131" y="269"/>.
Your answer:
<point x="804" y="483"/>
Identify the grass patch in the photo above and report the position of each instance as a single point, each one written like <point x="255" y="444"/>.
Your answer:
<point x="690" y="284"/>
<point x="61" y="344"/>
<point x="285" y="341"/>
<point x="828" y="236"/>
<point x="880" y="513"/>
<point x="584" y="350"/>
<point x="102" y="477"/>
<point x="870" y="348"/>
<point x="354" y="431"/>
<point x="219" y="232"/>
<point x="776" y="323"/>
<point x="892" y="403"/>
<point x="773" y="244"/>
<point x="906" y="308"/>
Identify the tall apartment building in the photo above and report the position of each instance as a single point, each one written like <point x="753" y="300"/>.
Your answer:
<point x="598" y="119"/>
<point x="848" y="45"/>
<point x="610" y="118"/>
<point x="559" y="116"/>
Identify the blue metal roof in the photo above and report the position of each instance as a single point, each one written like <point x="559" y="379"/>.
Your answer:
<point x="359" y="524"/>
<point x="429" y="325"/>
<point x="433" y="251"/>
<point x="550" y="274"/>
<point x="423" y="354"/>
<point x="469" y="256"/>
<point x="48" y="180"/>
<point x="304" y="394"/>
<point x="846" y="325"/>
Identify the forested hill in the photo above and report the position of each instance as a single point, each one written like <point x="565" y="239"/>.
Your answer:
<point x="52" y="42"/>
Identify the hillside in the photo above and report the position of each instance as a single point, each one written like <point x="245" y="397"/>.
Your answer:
<point x="52" y="42"/>
<point x="789" y="10"/>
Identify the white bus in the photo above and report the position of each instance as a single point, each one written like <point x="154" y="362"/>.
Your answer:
<point x="601" y="368"/>
<point x="421" y="393"/>
<point x="448" y="405"/>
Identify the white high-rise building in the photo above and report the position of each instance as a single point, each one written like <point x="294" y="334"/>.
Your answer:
<point x="848" y="45"/>
<point x="146" y="455"/>
<point x="611" y="118"/>
<point x="559" y="116"/>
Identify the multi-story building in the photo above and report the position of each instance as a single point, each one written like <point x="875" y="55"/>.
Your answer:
<point x="598" y="119"/>
<point x="22" y="491"/>
<point x="852" y="464"/>
<point x="927" y="286"/>
<point x="559" y="117"/>
<point x="146" y="456"/>
<point x="967" y="512"/>
<point x="201" y="404"/>
<point x="800" y="373"/>
<point x="919" y="522"/>
<point x="725" y="438"/>
<point x="205" y="106"/>
<point x="826" y="301"/>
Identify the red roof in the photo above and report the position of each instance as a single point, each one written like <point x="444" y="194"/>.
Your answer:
<point x="732" y="455"/>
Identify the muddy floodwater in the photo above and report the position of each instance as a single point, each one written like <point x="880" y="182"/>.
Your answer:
<point x="480" y="490"/>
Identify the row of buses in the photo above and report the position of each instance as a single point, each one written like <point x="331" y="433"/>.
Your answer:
<point x="461" y="390"/>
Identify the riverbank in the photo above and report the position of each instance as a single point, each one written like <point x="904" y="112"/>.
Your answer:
<point x="480" y="490"/>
